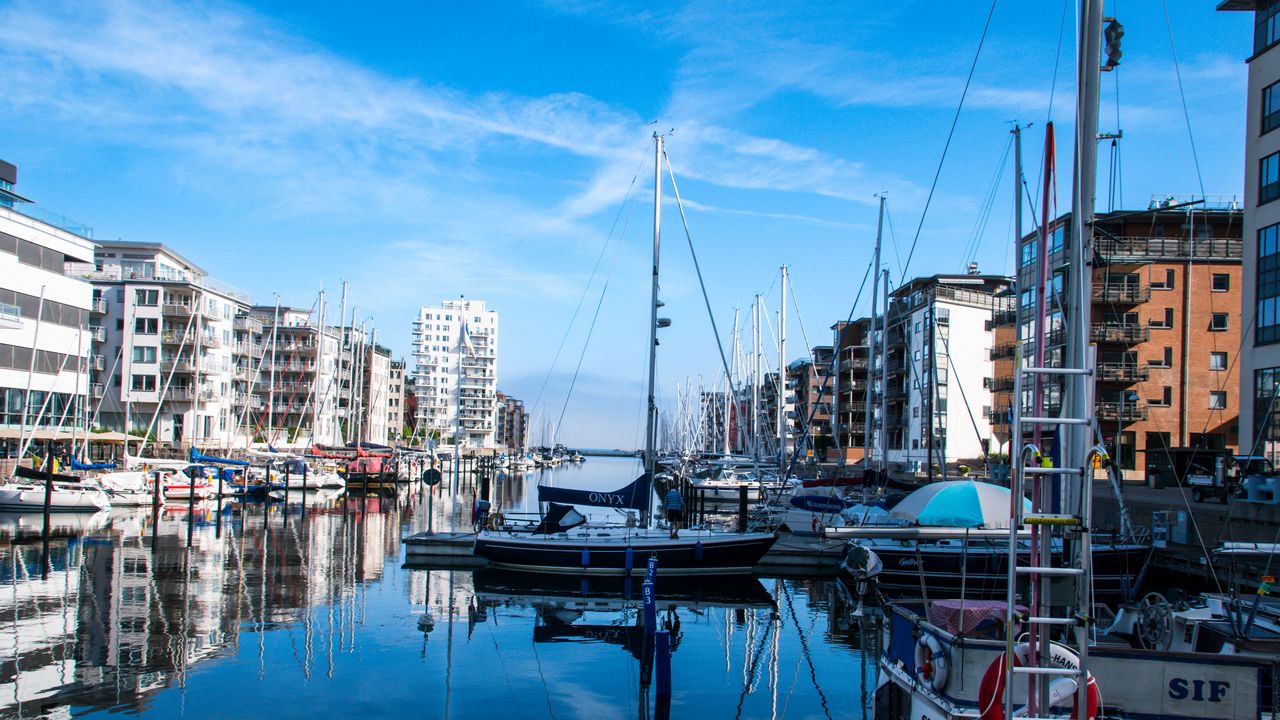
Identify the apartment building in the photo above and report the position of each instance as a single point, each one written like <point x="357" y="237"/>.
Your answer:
<point x="456" y="356"/>
<point x="296" y="383"/>
<point x="1166" y="323"/>
<point x="511" y="423"/>
<point x="373" y="397"/>
<point x="164" y="343"/>
<point x="938" y="364"/>
<point x="395" y="401"/>
<point x="809" y="380"/>
<point x="44" y="317"/>
<point x="853" y="347"/>
<point x="1259" y="375"/>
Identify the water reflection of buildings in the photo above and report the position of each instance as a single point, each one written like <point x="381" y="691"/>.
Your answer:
<point x="121" y="615"/>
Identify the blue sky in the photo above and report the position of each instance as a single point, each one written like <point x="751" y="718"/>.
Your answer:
<point x="439" y="149"/>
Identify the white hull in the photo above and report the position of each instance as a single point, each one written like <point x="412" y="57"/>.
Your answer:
<point x="22" y="497"/>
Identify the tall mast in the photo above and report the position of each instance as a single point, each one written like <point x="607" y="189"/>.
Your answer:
<point x="1016" y="433"/>
<point x="884" y="376"/>
<point x="783" y="406"/>
<point x="868" y="442"/>
<point x="271" y="383"/>
<point x="755" y="378"/>
<point x="651" y="419"/>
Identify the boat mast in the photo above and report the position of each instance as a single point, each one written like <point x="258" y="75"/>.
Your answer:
<point x="884" y="376"/>
<point x="757" y="380"/>
<point x="271" y="368"/>
<point x="1017" y="242"/>
<point x="783" y="406"/>
<point x="868" y="441"/>
<point x="651" y="419"/>
<point x="731" y="408"/>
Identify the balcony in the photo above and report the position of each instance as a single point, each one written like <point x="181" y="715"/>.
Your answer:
<point x="97" y="362"/>
<point x="96" y="391"/>
<point x="1002" y="384"/>
<point x="1131" y="412"/>
<point x="177" y="309"/>
<point x="1003" y="318"/>
<point x="1121" y="293"/>
<point x="98" y="305"/>
<point x="1119" y="333"/>
<point x="182" y="365"/>
<point x="1149" y="249"/>
<point x="1123" y="372"/>
<point x="1004" y="350"/>
<point x="173" y="337"/>
<point x="98" y="333"/>
<point x="248" y="324"/>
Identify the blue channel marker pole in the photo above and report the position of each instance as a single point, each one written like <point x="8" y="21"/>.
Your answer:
<point x="650" y="608"/>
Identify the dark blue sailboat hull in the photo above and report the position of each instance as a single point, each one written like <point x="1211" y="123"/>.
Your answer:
<point x="583" y="554"/>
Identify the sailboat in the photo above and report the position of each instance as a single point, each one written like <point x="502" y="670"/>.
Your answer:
<point x="563" y="543"/>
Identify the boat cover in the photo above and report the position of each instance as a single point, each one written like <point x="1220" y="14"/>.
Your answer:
<point x="558" y="519"/>
<point x="196" y="457"/>
<point x="634" y="496"/>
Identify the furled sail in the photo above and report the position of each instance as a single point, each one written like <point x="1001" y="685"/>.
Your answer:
<point x="633" y="497"/>
<point x="196" y="457"/>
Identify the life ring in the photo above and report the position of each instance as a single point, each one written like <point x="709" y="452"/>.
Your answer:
<point x="931" y="662"/>
<point x="991" y="690"/>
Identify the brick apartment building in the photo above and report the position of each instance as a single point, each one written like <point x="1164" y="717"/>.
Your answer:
<point x="1165" y="322"/>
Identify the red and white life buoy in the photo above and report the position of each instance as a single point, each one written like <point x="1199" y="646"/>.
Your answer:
<point x="991" y="690"/>
<point x="931" y="662"/>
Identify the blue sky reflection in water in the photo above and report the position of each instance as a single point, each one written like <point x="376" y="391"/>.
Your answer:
<point x="332" y="628"/>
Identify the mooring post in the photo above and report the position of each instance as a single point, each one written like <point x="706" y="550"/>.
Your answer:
<point x="288" y="475"/>
<point x="651" y="570"/>
<point x="650" y="608"/>
<point x="742" y="508"/>
<point x="191" y="507"/>
<point x="48" y="523"/>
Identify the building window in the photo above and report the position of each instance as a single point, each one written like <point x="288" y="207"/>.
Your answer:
<point x="1217" y="400"/>
<point x="1270" y="107"/>
<point x="1217" y="361"/>
<point x="146" y="326"/>
<point x="1267" y="328"/>
<point x="1165" y="399"/>
<point x="1265" y="29"/>
<point x="1029" y="255"/>
<point x="1165" y="284"/>
<point x="1165" y="322"/>
<point x="1221" y="282"/>
<point x="1164" y="361"/>
<point x="1218" y="322"/>
<point x="1269" y="178"/>
<point x="142" y="354"/>
<point x="146" y="298"/>
<point x="144" y="383"/>
<point x="1266" y="412"/>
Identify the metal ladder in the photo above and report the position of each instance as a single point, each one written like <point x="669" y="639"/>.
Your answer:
<point x="1033" y="473"/>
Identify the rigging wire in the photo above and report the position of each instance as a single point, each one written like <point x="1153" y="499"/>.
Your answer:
<point x="684" y="221"/>
<point x="628" y="199"/>
<point x="1186" y="114"/>
<point x="984" y="210"/>
<point x="947" y="146"/>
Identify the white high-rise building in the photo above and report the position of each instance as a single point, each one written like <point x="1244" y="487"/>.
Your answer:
<point x="44" y="317"/>
<point x="455" y="346"/>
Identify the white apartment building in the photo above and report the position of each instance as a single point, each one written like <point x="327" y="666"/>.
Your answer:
<point x="939" y="369"/>
<point x="456" y="352"/>
<point x="44" y="316"/>
<point x="165" y="348"/>
<point x="374" y="396"/>
<point x="1260" y="289"/>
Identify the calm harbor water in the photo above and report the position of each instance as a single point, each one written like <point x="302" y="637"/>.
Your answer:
<point x="307" y="610"/>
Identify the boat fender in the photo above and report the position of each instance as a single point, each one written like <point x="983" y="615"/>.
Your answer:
<point x="629" y="560"/>
<point x="697" y="551"/>
<point x="586" y="557"/>
<point x="931" y="662"/>
<point x="991" y="689"/>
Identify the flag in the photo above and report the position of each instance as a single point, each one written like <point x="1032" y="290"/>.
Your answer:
<point x="466" y="338"/>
